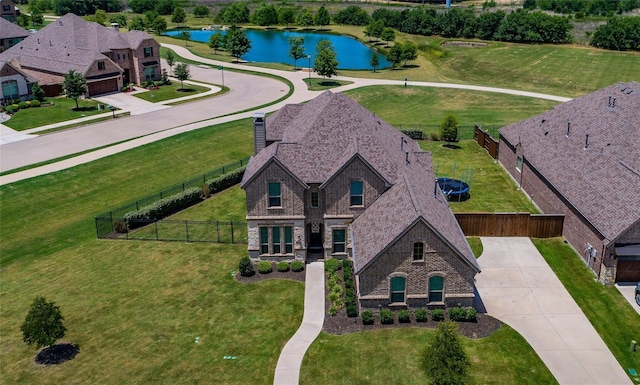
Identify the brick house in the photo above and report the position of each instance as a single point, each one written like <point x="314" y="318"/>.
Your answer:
<point x="582" y="159"/>
<point x="329" y="179"/>
<point x="14" y="83"/>
<point x="10" y="34"/>
<point x="106" y="58"/>
<point x="8" y="10"/>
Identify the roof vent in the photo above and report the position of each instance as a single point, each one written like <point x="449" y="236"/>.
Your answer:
<point x="568" y="127"/>
<point x="50" y="45"/>
<point x="402" y="143"/>
<point x="38" y="41"/>
<point x="586" y="142"/>
<point x="59" y="22"/>
<point x="609" y="100"/>
<point x="543" y="120"/>
<point x="435" y="188"/>
<point x="623" y="88"/>
<point x="630" y="91"/>
<point x="406" y="157"/>
<point x="614" y="102"/>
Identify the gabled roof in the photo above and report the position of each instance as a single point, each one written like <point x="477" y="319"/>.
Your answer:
<point x="8" y="30"/>
<point x="602" y="181"/>
<point x="316" y="140"/>
<point x="28" y="78"/>
<point x="70" y="43"/>
<point x="413" y="199"/>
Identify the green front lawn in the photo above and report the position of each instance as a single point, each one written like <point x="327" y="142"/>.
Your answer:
<point x="171" y="91"/>
<point x="608" y="311"/>
<point x="63" y="109"/>
<point x="393" y="357"/>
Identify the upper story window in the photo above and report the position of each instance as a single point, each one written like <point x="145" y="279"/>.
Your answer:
<point x="418" y="251"/>
<point x="100" y="65"/>
<point x="314" y="200"/>
<point x="519" y="163"/>
<point x="148" y="51"/>
<point x="275" y="194"/>
<point x="357" y="193"/>
<point x="6" y="8"/>
<point x="339" y="241"/>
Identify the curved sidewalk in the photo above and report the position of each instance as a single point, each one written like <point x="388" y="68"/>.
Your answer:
<point x="290" y="361"/>
<point x="518" y="287"/>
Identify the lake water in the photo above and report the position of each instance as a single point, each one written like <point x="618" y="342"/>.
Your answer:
<point x="273" y="47"/>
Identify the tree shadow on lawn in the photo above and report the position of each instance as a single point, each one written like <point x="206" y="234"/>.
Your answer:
<point x="57" y="354"/>
<point x="329" y="83"/>
<point x="85" y="109"/>
<point x="451" y="146"/>
<point x="186" y="90"/>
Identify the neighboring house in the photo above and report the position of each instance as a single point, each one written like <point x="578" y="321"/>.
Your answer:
<point x="329" y="179"/>
<point x="10" y="34"/>
<point x="582" y="159"/>
<point x="14" y="83"/>
<point x="107" y="58"/>
<point x="8" y="11"/>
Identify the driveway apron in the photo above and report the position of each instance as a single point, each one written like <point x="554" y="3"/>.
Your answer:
<point x="518" y="287"/>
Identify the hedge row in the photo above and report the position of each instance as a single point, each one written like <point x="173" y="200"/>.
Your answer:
<point x="413" y="134"/>
<point x="350" y="300"/>
<point x="457" y="314"/>
<point x="177" y="202"/>
<point x="15" y="107"/>
<point x="246" y="268"/>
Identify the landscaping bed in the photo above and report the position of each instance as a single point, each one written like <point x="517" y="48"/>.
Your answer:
<point x="256" y="277"/>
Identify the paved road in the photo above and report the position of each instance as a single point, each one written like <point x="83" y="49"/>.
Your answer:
<point x="517" y="287"/>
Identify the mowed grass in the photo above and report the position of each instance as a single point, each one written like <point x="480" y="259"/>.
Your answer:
<point x="63" y="109"/>
<point x="171" y="91"/>
<point x="608" y="311"/>
<point x="394" y="356"/>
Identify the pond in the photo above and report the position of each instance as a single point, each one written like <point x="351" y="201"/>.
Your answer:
<point x="273" y="47"/>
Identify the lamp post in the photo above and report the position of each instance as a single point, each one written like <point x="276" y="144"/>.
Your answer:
<point x="309" y="59"/>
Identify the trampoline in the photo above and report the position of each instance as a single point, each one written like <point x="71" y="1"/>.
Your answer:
<point x="453" y="189"/>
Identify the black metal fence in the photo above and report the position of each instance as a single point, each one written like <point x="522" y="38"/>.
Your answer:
<point x="110" y="224"/>
<point x="179" y="231"/>
<point x="464" y="132"/>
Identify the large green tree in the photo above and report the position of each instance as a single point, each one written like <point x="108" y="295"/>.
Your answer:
<point x="322" y="17"/>
<point x="237" y="43"/>
<point x="286" y="15"/>
<point x="236" y="13"/>
<point x="325" y="63"/>
<point x="296" y="49"/>
<point x="201" y="11"/>
<point x="445" y="360"/>
<point x="74" y="85"/>
<point x="178" y="16"/>
<point x="160" y="24"/>
<point x="305" y="18"/>
<point x="43" y="325"/>
<point x="137" y="24"/>
<point x="265" y="15"/>
<point x="182" y="73"/>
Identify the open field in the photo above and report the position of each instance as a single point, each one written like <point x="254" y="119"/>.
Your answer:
<point x="611" y="316"/>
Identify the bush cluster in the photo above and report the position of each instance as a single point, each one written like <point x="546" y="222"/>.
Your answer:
<point x="404" y="316"/>
<point x="386" y="316"/>
<point x="283" y="266"/>
<point x="246" y="267"/>
<point x="460" y="314"/>
<point x="332" y="265"/>
<point x="413" y="134"/>
<point x="17" y="105"/>
<point x="421" y="315"/>
<point x="264" y="267"/>
<point x="297" y="266"/>
<point x="437" y="314"/>
<point x="349" y="289"/>
<point x="367" y="317"/>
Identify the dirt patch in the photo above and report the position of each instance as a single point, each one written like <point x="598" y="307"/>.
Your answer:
<point x="463" y="44"/>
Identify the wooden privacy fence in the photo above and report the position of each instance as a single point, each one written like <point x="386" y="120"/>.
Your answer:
<point x="486" y="141"/>
<point x="511" y="224"/>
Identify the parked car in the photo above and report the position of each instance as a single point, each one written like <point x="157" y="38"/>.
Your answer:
<point x="638" y="293"/>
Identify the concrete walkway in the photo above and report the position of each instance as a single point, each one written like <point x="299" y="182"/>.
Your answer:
<point x="290" y="361"/>
<point x="518" y="287"/>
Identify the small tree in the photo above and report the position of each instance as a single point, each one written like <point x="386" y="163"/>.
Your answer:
<point x="216" y="41"/>
<point x="100" y="16"/>
<point x="237" y="43"/>
<point x="74" y="85"/>
<point x="305" y="18"/>
<point x="171" y="60"/>
<point x="375" y="61"/>
<point x="286" y="15"/>
<point x="43" y="324"/>
<point x="322" y="17"/>
<point x="160" y="24"/>
<point x="409" y="52"/>
<point x="449" y="128"/>
<point x="296" y="49"/>
<point x="388" y="34"/>
<point x="37" y="18"/>
<point x="137" y="24"/>
<point x="445" y="360"/>
<point x="325" y="63"/>
<point x="186" y="35"/>
<point x="182" y="72"/>
<point x="395" y="54"/>
<point x="178" y="16"/>
<point x="38" y="92"/>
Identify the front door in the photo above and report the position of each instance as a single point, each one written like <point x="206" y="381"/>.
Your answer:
<point x="315" y="237"/>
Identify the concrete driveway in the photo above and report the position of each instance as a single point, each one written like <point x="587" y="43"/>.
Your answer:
<point x="628" y="291"/>
<point x="517" y="287"/>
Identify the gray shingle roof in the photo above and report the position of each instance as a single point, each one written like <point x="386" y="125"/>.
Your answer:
<point x="318" y="138"/>
<point x="603" y="180"/>
<point x="8" y="30"/>
<point x="70" y="43"/>
<point x="28" y="77"/>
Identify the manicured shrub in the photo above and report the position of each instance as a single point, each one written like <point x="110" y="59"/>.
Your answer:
<point x="348" y="284"/>
<point x="162" y="208"/>
<point x="333" y="281"/>
<point x="10" y="110"/>
<point x="332" y="265"/>
<point x="246" y="267"/>
<point x="334" y="296"/>
<point x="225" y="181"/>
<point x="350" y="292"/>
<point x="421" y="315"/>
<point x="435" y="136"/>
<point x="35" y="103"/>
<point x="333" y="310"/>
<point x="264" y="267"/>
<point x="367" y="317"/>
<point x="413" y="134"/>
<point x="437" y="314"/>
<point x="346" y="263"/>
<point x="23" y="105"/>
<point x="472" y="315"/>
<point x="386" y="316"/>
<point x="283" y="266"/>
<point x="15" y="106"/>
<point x="352" y="310"/>
<point x="457" y="314"/>
<point x="404" y="316"/>
<point x="297" y="266"/>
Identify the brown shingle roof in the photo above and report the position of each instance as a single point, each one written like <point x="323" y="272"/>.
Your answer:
<point x="8" y="30"/>
<point x="320" y="137"/>
<point x="601" y="181"/>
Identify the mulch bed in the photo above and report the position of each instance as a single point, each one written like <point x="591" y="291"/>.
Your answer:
<point x="57" y="354"/>
<point x="295" y="276"/>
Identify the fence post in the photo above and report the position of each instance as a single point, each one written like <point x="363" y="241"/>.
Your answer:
<point x="111" y="219"/>
<point x="232" y="241"/>
<point x="157" y="237"/>
<point x="218" y="231"/>
<point x="186" y="225"/>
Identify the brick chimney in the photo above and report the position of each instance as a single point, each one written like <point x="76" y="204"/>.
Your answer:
<point x="259" y="132"/>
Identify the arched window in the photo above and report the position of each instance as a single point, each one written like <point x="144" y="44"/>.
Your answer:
<point x="397" y="292"/>
<point x="436" y="289"/>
